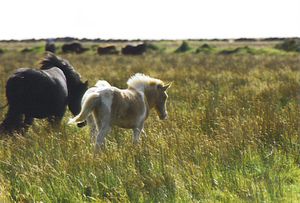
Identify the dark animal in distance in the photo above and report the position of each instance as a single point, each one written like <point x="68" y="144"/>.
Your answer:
<point x="42" y="93"/>
<point x="74" y="47"/>
<point x="107" y="50"/>
<point x="134" y="50"/>
<point x="50" y="46"/>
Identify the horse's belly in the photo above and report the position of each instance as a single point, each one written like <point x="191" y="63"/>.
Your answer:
<point x="42" y="111"/>
<point x="125" y="123"/>
<point x="42" y="108"/>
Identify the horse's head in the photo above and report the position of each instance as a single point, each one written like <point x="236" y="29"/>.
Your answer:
<point x="160" y="100"/>
<point x="155" y="91"/>
<point x="76" y="96"/>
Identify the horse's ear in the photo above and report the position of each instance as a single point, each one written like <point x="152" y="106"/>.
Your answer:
<point x="86" y="83"/>
<point x="167" y="86"/>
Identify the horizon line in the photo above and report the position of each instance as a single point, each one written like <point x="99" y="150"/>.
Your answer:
<point x="144" y="39"/>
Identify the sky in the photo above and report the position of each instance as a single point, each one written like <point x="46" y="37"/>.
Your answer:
<point x="149" y="19"/>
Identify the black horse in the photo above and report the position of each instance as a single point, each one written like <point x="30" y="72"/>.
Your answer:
<point x="44" y="93"/>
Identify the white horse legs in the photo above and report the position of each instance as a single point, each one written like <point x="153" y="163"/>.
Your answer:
<point x="137" y="132"/>
<point x="100" y="119"/>
<point x="103" y="125"/>
<point x="100" y="140"/>
<point x="93" y="128"/>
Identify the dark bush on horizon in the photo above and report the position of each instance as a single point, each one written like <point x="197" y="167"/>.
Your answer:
<point x="38" y="49"/>
<point x="205" y="49"/>
<point x="151" y="47"/>
<point x="50" y="47"/>
<point x="289" y="45"/>
<point x="184" y="47"/>
<point x="239" y="50"/>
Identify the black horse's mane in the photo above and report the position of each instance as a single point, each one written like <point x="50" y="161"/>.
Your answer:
<point x="52" y="60"/>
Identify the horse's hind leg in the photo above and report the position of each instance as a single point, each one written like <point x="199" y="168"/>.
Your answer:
<point x="28" y="122"/>
<point x="137" y="132"/>
<point x="93" y="128"/>
<point x="12" y="122"/>
<point x="102" y="118"/>
<point x="100" y="140"/>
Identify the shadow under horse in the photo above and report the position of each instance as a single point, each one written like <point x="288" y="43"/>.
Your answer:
<point x="42" y="93"/>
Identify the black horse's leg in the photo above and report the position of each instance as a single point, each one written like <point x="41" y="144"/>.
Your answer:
<point x="12" y="122"/>
<point x="27" y="122"/>
<point x="55" y="121"/>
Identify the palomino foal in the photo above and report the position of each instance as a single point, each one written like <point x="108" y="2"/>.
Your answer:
<point x="104" y="106"/>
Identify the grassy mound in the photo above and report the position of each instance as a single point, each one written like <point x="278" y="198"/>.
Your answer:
<point x="206" y="49"/>
<point x="37" y="49"/>
<point x="184" y="47"/>
<point x="239" y="50"/>
<point x="289" y="45"/>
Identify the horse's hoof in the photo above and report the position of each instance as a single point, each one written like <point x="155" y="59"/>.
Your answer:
<point x="80" y="125"/>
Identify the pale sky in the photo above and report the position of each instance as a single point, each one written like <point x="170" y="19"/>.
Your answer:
<point x="149" y="19"/>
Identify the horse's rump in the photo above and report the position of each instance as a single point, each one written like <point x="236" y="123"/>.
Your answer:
<point x="37" y="93"/>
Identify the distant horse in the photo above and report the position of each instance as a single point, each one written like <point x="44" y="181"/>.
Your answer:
<point x="50" y="45"/>
<point x="74" y="47"/>
<point x="134" y="50"/>
<point x="44" y="93"/>
<point x="107" y="50"/>
<point x="104" y="105"/>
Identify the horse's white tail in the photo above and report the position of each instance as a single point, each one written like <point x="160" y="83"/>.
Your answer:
<point x="87" y="107"/>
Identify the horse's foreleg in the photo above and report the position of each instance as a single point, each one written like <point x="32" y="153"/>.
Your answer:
<point x="137" y="132"/>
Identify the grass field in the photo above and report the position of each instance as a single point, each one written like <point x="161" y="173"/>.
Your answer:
<point x="232" y="133"/>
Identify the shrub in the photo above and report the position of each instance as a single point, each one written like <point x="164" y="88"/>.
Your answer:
<point x="37" y="49"/>
<point x="239" y="50"/>
<point x="152" y="47"/>
<point x="289" y="45"/>
<point x="184" y="47"/>
<point x="206" y="49"/>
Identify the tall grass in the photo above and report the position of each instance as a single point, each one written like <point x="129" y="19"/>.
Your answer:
<point x="232" y="135"/>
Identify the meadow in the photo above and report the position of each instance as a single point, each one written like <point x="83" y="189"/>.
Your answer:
<point x="232" y="134"/>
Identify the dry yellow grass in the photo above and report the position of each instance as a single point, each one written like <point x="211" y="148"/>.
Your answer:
<point x="232" y="135"/>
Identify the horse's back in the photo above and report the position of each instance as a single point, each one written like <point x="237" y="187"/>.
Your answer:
<point x="102" y="84"/>
<point x="37" y="92"/>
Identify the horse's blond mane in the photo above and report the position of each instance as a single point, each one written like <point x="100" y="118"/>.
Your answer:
<point x="140" y="81"/>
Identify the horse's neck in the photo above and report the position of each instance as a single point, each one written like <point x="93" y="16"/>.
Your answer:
<point x="72" y="88"/>
<point x="149" y="97"/>
<point x="72" y="82"/>
<point x="137" y="94"/>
